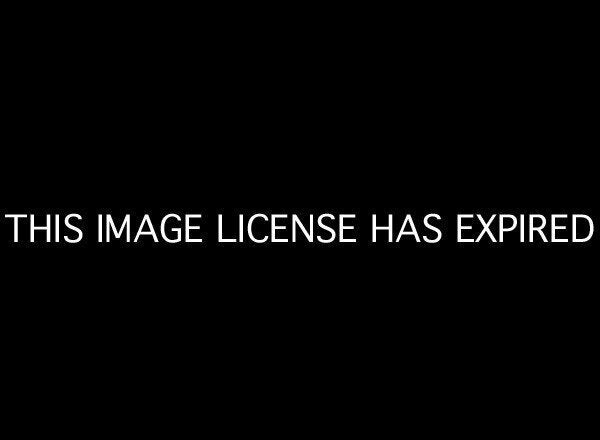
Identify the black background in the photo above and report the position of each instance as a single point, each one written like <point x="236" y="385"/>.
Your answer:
<point x="381" y="113"/>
